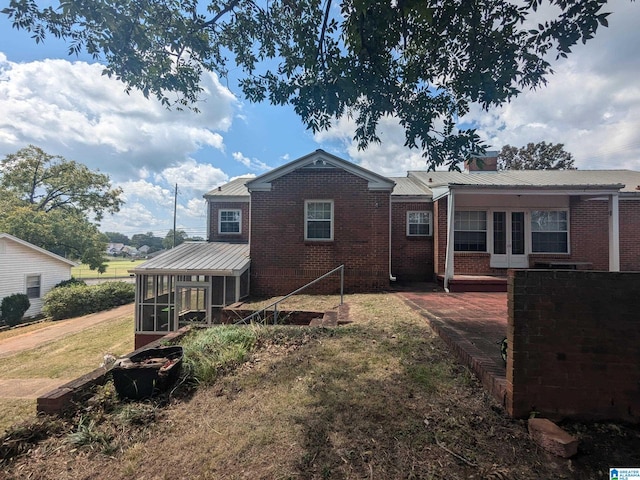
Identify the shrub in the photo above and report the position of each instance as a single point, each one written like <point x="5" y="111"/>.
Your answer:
<point x="70" y="282"/>
<point x="78" y="299"/>
<point x="13" y="308"/>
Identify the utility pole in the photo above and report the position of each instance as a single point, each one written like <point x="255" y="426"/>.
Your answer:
<point x="175" y="204"/>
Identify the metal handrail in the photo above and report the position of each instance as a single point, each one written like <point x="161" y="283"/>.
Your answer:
<point x="275" y="304"/>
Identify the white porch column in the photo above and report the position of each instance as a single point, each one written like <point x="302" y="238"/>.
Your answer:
<point x="614" y="233"/>
<point x="448" y="259"/>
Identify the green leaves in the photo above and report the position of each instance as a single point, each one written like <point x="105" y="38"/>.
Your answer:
<point x="421" y="61"/>
<point x="50" y="201"/>
<point x="538" y="156"/>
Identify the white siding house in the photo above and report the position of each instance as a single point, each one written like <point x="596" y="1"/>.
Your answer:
<point x="25" y="268"/>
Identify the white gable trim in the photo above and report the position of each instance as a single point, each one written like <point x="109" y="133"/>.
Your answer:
<point x="320" y="159"/>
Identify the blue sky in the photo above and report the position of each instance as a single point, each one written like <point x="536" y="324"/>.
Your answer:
<point x="65" y="106"/>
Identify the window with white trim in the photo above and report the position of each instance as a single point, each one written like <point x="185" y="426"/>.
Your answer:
<point x="470" y="231"/>
<point x="318" y="223"/>
<point x="418" y="224"/>
<point x="33" y="286"/>
<point x="229" y="222"/>
<point x="549" y="231"/>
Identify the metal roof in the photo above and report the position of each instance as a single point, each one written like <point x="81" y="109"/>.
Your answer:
<point x="199" y="258"/>
<point x="627" y="181"/>
<point x="235" y="188"/>
<point x="409" y="187"/>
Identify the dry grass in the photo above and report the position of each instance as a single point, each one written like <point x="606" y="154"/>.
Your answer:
<point x="63" y="359"/>
<point x="15" y="410"/>
<point x="73" y="355"/>
<point x="380" y="398"/>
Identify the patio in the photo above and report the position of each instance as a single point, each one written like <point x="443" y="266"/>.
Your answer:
<point x="473" y="324"/>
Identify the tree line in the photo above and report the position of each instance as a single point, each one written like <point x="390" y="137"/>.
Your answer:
<point x="151" y="240"/>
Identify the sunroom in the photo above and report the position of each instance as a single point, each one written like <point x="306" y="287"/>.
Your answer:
<point x="188" y="285"/>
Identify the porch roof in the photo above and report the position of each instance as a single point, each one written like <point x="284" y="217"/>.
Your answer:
<point x="627" y="182"/>
<point x="199" y="258"/>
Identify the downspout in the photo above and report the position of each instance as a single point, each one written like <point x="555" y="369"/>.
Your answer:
<point x="614" y="233"/>
<point x="391" y="277"/>
<point x="448" y="259"/>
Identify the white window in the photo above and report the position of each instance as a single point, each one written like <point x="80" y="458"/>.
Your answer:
<point x="33" y="286"/>
<point x="229" y="222"/>
<point x="470" y="231"/>
<point x="549" y="231"/>
<point x="418" y="224"/>
<point x="318" y="224"/>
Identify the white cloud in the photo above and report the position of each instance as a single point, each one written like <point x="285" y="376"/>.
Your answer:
<point x="250" y="163"/>
<point x="390" y="157"/>
<point x="591" y="104"/>
<point x="71" y="109"/>
<point x="192" y="175"/>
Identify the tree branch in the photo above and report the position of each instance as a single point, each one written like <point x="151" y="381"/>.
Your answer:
<point x="323" y="31"/>
<point x="233" y="4"/>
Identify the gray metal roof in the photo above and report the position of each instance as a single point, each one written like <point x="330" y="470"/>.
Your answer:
<point x="199" y="258"/>
<point x="235" y="188"/>
<point x="409" y="187"/>
<point x="627" y="180"/>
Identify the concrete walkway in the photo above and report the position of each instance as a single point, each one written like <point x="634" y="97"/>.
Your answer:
<point x="58" y="330"/>
<point x="473" y="324"/>
<point x="30" y="388"/>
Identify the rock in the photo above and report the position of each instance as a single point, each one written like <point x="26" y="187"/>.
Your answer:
<point x="552" y="438"/>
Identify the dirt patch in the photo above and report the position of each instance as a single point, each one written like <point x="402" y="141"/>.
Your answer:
<point x="379" y="398"/>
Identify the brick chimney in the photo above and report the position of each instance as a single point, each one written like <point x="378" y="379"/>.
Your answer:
<point x="483" y="163"/>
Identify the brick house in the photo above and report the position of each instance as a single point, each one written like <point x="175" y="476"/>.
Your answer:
<point x="276" y="232"/>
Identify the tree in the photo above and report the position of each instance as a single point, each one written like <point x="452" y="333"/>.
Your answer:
<point x="116" y="237"/>
<point x="180" y="237"/>
<point x="149" y="239"/>
<point x="48" y="201"/>
<point x="422" y="61"/>
<point x="538" y="156"/>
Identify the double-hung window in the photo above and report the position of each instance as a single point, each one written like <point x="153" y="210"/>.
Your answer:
<point x="549" y="231"/>
<point x="470" y="231"/>
<point x="418" y="224"/>
<point x="229" y="222"/>
<point x="318" y="224"/>
<point x="33" y="286"/>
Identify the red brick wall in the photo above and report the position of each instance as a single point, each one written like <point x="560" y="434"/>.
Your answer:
<point x="630" y="235"/>
<point x="411" y="257"/>
<point x="214" y="235"/>
<point x="589" y="232"/>
<point x="281" y="260"/>
<point x="574" y="344"/>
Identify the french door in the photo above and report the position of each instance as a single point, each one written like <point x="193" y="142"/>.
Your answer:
<point x="509" y="240"/>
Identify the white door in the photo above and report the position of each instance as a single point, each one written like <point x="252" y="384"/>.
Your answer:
<point x="509" y="240"/>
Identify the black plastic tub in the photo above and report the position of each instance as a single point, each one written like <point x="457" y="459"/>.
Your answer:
<point x="147" y="373"/>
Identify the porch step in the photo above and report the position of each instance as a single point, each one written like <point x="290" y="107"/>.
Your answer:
<point x="475" y="283"/>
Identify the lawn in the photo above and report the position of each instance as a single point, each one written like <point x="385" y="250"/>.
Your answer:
<point x="64" y="359"/>
<point x="116" y="268"/>
<point x="381" y="397"/>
